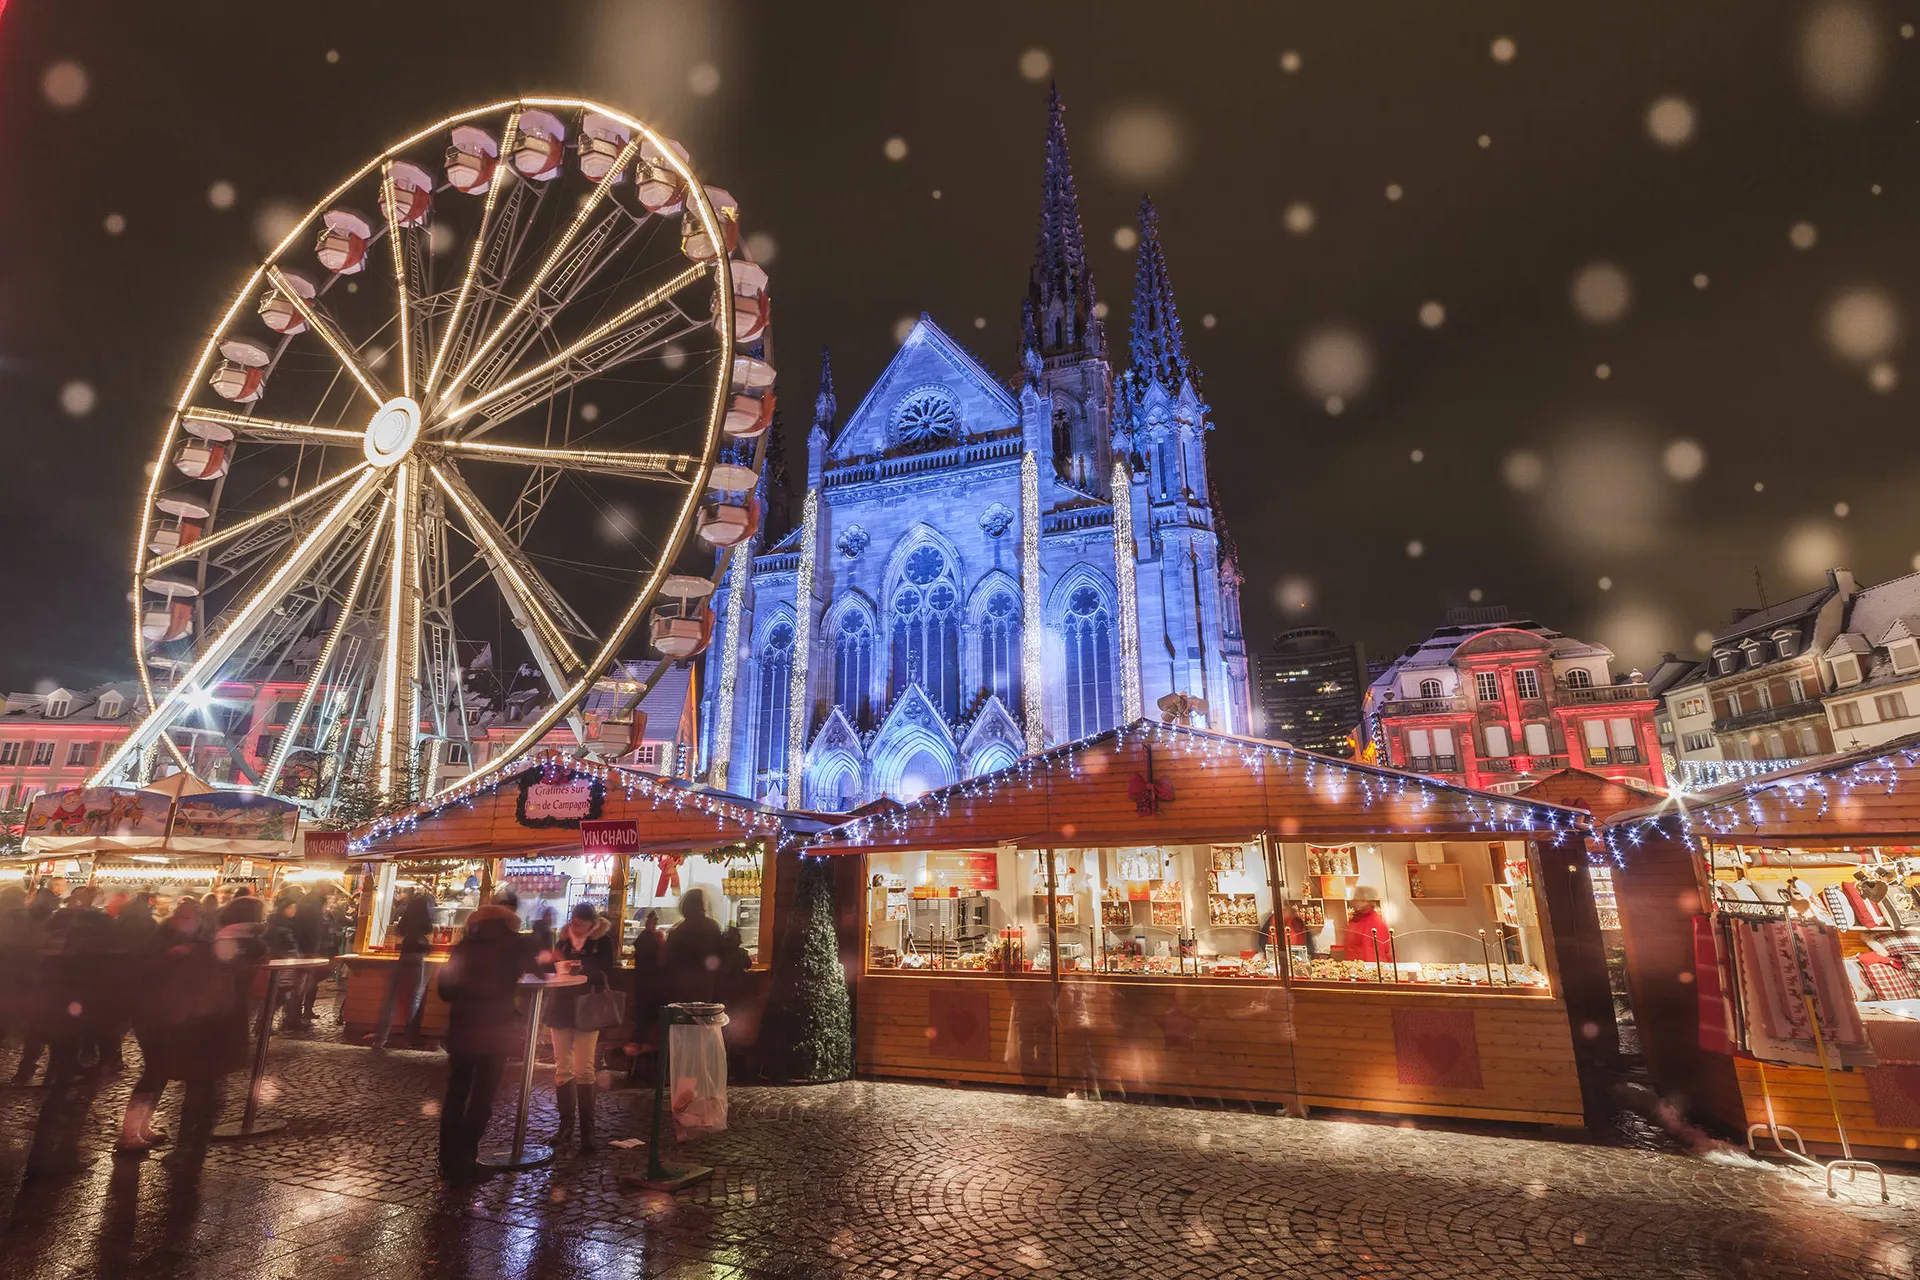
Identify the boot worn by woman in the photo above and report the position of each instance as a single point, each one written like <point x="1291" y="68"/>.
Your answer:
<point x="563" y="1096"/>
<point x="584" y="1091"/>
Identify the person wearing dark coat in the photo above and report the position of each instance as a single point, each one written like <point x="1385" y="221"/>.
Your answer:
<point x="84" y="980"/>
<point x="693" y="950"/>
<point x="478" y="982"/>
<point x="184" y="1019"/>
<point x="583" y="947"/>
<point x="415" y="928"/>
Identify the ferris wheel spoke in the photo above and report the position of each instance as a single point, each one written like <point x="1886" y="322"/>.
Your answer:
<point x="323" y="663"/>
<point x="537" y="607"/>
<point x="553" y="259"/>
<point x="450" y="336"/>
<point x="201" y="546"/>
<point x="342" y="351"/>
<point x="680" y="467"/>
<point x="399" y="726"/>
<point x="205" y="668"/>
<point x="274" y="431"/>
<point x="631" y="332"/>
<point x="397" y="246"/>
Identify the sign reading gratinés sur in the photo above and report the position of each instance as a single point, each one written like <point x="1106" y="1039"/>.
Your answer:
<point x="558" y="799"/>
<point x="609" y="836"/>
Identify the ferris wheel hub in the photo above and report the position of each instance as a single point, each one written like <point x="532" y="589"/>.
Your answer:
<point x="391" y="433"/>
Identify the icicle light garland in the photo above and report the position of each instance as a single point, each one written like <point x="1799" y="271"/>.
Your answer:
<point x="1765" y="802"/>
<point x="797" y="699"/>
<point x="1123" y="558"/>
<point x="555" y="768"/>
<point x="730" y="664"/>
<point x="1331" y="777"/>
<point x="1031" y="693"/>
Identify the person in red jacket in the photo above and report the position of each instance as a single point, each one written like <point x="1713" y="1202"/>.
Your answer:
<point x="1366" y="936"/>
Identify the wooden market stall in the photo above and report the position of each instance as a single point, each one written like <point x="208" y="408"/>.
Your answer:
<point x="1170" y="911"/>
<point x="522" y="826"/>
<point x="1730" y="900"/>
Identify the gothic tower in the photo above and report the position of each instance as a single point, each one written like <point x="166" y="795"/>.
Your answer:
<point x="1064" y="343"/>
<point x="1188" y="592"/>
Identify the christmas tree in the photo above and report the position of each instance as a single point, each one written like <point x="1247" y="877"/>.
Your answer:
<point x="807" y="1035"/>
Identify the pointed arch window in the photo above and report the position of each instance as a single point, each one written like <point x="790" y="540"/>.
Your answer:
<point x="853" y="668"/>
<point x="1000" y="648"/>
<point x="770" y="713"/>
<point x="1169" y="472"/>
<point x="1089" y="639"/>
<point x="926" y="630"/>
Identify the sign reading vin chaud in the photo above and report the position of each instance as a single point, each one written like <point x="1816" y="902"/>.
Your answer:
<point x="558" y="798"/>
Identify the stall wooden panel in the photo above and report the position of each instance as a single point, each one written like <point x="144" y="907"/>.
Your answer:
<point x="370" y="979"/>
<point x="1874" y="1102"/>
<point x="1218" y="1039"/>
<point x="996" y="1030"/>
<point x="1444" y="1054"/>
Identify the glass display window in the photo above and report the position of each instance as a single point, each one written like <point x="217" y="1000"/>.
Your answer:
<point x="965" y="911"/>
<point x="1448" y="913"/>
<point x="729" y="879"/>
<point x="1195" y="910"/>
<point x="452" y="888"/>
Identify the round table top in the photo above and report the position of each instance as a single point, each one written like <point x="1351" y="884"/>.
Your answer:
<point x="301" y="962"/>
<point x="552" y="979"/>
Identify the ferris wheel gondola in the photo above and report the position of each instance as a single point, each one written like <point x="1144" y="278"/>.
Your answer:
<point x="405" y="459"/>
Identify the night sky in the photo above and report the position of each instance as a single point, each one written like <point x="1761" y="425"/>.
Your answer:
<point x="1593" y="311"/>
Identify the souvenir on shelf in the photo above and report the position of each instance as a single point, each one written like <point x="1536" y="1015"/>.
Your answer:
<point x="1168" y="914"/>
<point x="1116" y="914"/>
<point x="1232" y="909"/>
<point x="1229" y="857"/>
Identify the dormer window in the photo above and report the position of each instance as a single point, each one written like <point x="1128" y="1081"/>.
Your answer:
<point x="1905" y="655"/>
<point x="1725" y="662"/>
<point x="1846" y="670"/>
<point x="1756" y="651"/>
<point x="1431" y="689"/>
<point x="1579" y="678"/>
<point x="110" y="707"/>
<point x="57" y="708"/>
<point x="1787" y="642"/>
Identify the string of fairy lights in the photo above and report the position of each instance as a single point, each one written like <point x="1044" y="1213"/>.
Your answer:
<point x="730" y="662"/>
<point x="1764" y="803"/>
<point x="1030" y="683"/>
<point x="1333" y="779"/>
<point x="1123" y="557"/>
<point x="799" y="700"/>
<point x="554" y="769"/>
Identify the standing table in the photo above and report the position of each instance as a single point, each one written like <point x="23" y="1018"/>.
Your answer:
<point x="523" y="1154"/>
<point x="250" y="1125"/>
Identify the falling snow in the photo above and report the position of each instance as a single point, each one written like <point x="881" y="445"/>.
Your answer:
<point x="1601" y="293"/>
<point x="221" y="195"/>
<point x="1503" y="49"/>
<point x="1335" y="361"/>
<point x="1684" y="460"/>
<point x="1290" y="62"/>
<point x="1298" y="218"/>
<point x="895" y="149"/>
<point x="1035" y="64"/>
<point x="64" y="85"/>
<point x="1670" y="122"/>
<point x="1140" y="143"/>
<point x="115" y="224"/>
<point x="1803" y="235"/>
<point x="703" y="79"/>
<point x="1125" y="238"/>
<point x="1432" y="315"/>
<point x="77" y="399"/>
<point x="1862" y="325"/>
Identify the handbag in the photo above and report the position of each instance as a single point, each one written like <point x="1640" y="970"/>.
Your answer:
<point x="598" y="1010"/>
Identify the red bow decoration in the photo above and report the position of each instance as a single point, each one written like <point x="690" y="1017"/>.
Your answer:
<point x="1147" y="793"/>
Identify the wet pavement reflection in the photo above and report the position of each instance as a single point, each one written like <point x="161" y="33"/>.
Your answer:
<point x="886" y="1180"/>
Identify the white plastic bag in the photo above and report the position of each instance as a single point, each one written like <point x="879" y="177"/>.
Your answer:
<point x="697" y="1057"/>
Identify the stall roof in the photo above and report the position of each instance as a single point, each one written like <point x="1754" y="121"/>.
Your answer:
<point x="1589" y="792"/>
<point x="488" y="817"/>
<point x="1856" y="798"/>
<point x="1149" y="783"/>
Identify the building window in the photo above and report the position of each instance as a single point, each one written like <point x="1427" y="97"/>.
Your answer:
<point x="1697" y="742"/>
<point x="457" y="754"/>
<point x="770" y="716"/>
<point x="926" y="632"/>
<point x="1694" y="706"/>
<point x="1734" y="707"/>
<point x="1776" y="746"/>
<point x="1846" y="669"/>
<point x="853" y="669"/>
<point x="1905" y="655"/>
<point x="1089" y="641"/>
<point x="1763" y="696"/>
<point x="1626" y="745"/>
<point x="1419" y="750"/>
<point x="263" y="746"/>
<point x="1725" y="661"/>
<point x="42" y="754"/>
<point x="1537" y="741"/>
<point x="1445" y="760"/>
<point x="1809" y="740"/>
<point x="57" y="708"/>
<point x="9" y="753"/>
<point x="1891" y="706"/>
<point x="1431" y="689"/>
<point x="647" y="755"/>
<point x="1497" y="745"/>
<point x="82" y="753"/>
<point x="1579" y="678"/>
<point x="110" y="707"/>
<point x="1000" y="649"/>
<point x="1846" y="714"/>
<point x="1596" y="736"/>
<point x="1526" y="682"/>
<point x="1787" y="643"/>
<point x="1487" y="685"/>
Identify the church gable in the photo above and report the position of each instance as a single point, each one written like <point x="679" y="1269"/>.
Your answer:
<point x="932" y="392"/>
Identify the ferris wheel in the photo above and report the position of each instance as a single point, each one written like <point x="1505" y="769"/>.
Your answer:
<point x="488" y="387"/>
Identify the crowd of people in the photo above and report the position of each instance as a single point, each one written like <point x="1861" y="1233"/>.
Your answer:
<point x="81" y="971"/>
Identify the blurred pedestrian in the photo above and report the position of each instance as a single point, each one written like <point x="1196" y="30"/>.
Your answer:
<point x="190" y="1024"/>
<point x="478" y="982"/>
<point x="583" y="948"/>
<point x="693" y="950"/>
<point x="38" y="1012"/>
<point x="415" y="928"/>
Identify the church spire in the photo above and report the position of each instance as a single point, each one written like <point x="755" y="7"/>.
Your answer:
<point x="1157" y="349"/>
<point x="825" y="407"/>
<point x="1058" y="318"/>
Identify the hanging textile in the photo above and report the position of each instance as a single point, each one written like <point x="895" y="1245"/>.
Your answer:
<point x="1710" y="980"/>
<point x="1864" y="912"/>
<point x="1837" y="907"/>
<point x="1781" y="964"/>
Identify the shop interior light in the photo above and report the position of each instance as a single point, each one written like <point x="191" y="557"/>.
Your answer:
<point x="151" y="857"/>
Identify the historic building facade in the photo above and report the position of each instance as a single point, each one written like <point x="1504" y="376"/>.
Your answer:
<point x="981" y="568"/>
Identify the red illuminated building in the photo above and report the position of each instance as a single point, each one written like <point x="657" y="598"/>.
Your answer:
<point x="1499" y="703"/>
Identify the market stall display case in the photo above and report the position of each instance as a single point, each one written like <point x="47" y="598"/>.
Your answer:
<point x="559" y="831"/>
<point x="1772" y="932"/>
<point x="1170" y="911"/>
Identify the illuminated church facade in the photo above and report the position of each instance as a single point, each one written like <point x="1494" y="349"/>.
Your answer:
<point x="983" y="568"/>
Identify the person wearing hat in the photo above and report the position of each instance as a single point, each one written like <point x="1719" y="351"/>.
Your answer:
<point x="1366" y="936"/>
<point x="583" y="947"/>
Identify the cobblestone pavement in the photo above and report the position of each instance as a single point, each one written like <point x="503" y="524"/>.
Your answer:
<point x="886" y="1180"/>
